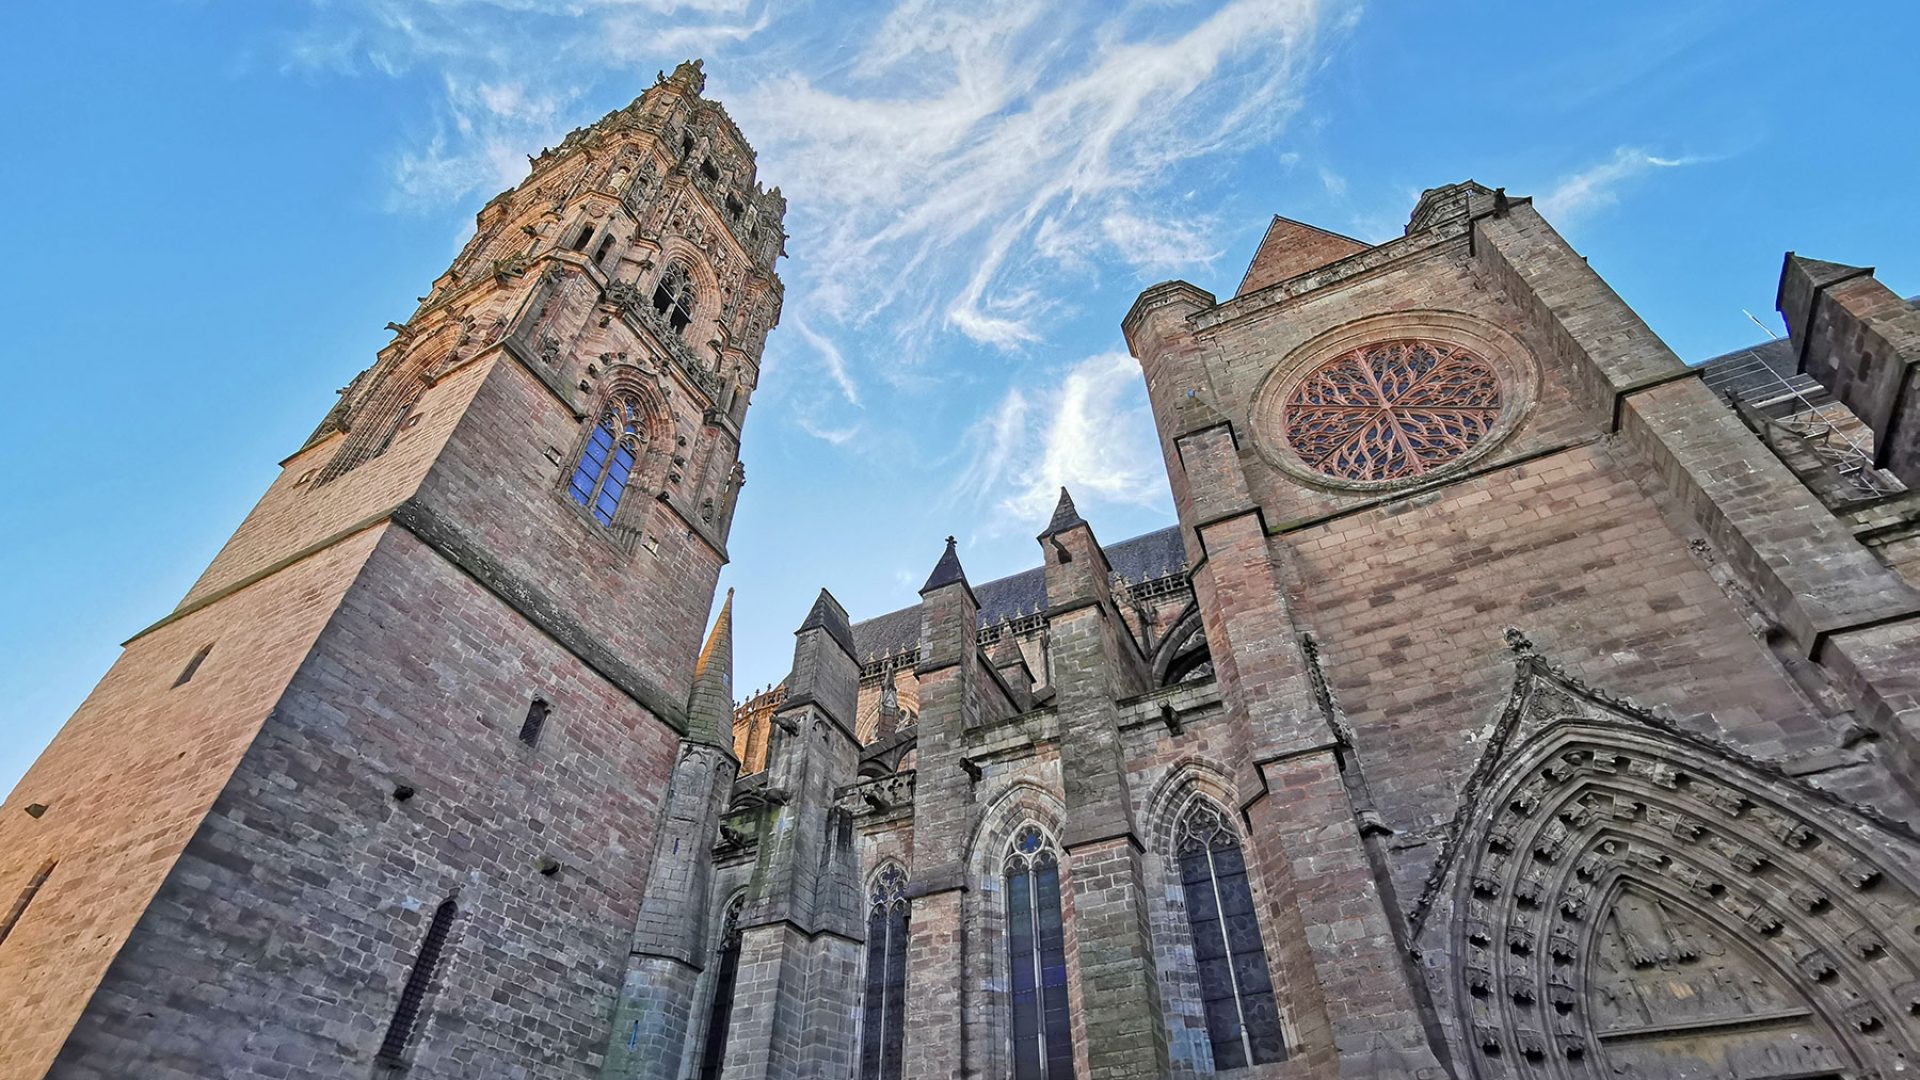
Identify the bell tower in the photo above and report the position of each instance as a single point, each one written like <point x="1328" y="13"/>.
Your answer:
<point x="382" y="792"/>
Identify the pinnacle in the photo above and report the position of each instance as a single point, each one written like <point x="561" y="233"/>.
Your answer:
<point x="1065" y="516"/>
<point x="947" y="571"/>
<point x="827" y="614"/>
<point x="710" y="705"/>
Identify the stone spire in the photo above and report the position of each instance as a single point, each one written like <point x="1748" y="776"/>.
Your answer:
<point x="948" y="570"/>
<point x="710" y="704"/>
<point x="1065" y="516"/>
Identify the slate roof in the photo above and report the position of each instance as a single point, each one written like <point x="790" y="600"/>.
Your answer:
<point x="1760" y="374"/>
<point x="1149" y="555"/>
<point x="1765" y="374"/>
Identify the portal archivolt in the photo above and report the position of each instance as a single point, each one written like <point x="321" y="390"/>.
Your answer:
<point x="1632" y="900"/>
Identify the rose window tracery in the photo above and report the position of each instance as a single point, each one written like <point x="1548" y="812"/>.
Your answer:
<point x="1394" y="410"/>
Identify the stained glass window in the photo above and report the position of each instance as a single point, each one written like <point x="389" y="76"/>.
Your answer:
<point x="882" y="1036"/>
<point x="1243" y="1020"/>
<point x="606" y="462"/>
<point x="713" y="1055"/>
<point x="1036" y="945"/>
<point x="1392" y="411"/>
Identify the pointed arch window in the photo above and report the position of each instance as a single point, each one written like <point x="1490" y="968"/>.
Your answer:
<point x="881" y="1038"/>
<point x="713" y="1055"/>
<point x="1036" y="945"/>
<point x="1243" y="1020"/>
<point x="673" y="296"/>
<point x="606" y="462"/>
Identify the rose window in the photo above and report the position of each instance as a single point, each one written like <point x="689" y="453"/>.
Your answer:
<point x="1392" y="411"/>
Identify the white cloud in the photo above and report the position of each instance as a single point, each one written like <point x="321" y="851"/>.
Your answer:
<point x="832" y="359"/>
<point x="1158" y="245"/>
<point x="1092" y="433"/>
<point x="1598" y="186"/>
<point x="834" y="436"/>
<point x="952" y="184"/>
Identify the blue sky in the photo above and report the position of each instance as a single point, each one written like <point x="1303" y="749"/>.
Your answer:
<point x="217" y="205"/>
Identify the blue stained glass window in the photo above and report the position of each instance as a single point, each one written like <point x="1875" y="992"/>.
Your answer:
<point x="882" y="1036"/>
<point x="1036" y="947"/>
<point x="1236" y="986"/>
<point x="606" y="463"/>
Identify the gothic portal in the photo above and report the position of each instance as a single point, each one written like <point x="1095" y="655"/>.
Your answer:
<point x="439" y="771"/>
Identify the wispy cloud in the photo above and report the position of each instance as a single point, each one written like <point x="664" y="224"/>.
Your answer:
<point x="984" y="134"/>
<point x="958" y="177"/>
<point x="1092" y="433"/>
<point x="832" y="360"/>
<point x="1594" y="188"/>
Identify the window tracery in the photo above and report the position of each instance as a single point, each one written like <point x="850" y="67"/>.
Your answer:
<point x="1036" y="944"/>
<point x="1236" y="986"/>
<point x="882" y="1037"/>
<point x="1393" y="410"/>
<point x="673" y="297"/>
<point x="713" y="1054"/>
<point x="606" y="462"/>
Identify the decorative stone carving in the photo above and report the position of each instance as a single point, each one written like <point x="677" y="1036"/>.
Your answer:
<point x="1750" y="904"/>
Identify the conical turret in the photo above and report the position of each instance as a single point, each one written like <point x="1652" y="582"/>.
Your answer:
<point x="710" y="705"/>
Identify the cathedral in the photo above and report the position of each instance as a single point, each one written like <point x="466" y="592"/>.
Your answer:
<point x="1510" y="700"/>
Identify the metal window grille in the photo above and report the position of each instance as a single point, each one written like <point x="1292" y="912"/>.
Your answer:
<point x="406" y="1016"/>
<point x="536" y="720"/>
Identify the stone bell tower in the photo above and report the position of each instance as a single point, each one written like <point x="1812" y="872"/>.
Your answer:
<point x="382" y="793"/>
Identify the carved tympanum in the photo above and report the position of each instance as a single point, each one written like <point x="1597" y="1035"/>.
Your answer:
<point x="1629" y="899"/>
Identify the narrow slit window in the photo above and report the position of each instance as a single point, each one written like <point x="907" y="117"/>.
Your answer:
<point x="600" y="253"/>
<point x="26" y="896"/>
<point x="882" y="1036"/>
<point x="713" y="1055"/>
<point x="606" y="462"/>
<point x="406" y="1016"/>
<point x="1036" y="946"/>
<point x="536" y="720"/>
<point x="586" y="235"/>
<point x="1236" y="986"/>
<point x="193" y="665"/>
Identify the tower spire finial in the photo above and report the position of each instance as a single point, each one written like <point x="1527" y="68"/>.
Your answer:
<point x="947" y="571"/>
<point x="1065" y="516"/>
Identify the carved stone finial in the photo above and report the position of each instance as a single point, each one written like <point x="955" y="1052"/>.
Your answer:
<point x="1520" y="643"/>
<point x="689" y="73"/>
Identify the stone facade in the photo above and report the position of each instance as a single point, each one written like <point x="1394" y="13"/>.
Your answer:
<point x="1339" y="776"/>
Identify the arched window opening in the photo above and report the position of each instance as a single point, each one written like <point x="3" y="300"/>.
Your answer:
<point x="882" y="1038"/>
<point x="713" y="1056"/>
<point x="586" y="234"/>
<point x="535" y="722"/>
<point x="26" y="896"/>
<point x="193" y="665"/>
<point x="406" y="1016"/>
<point x="708" y="170"/>
<point x="606" y="462"/>
<point x="1036" y="946"/>
<point x="673" y="297"/>
<point x="1243" y="1020"/>
<point x="606" y="245"/>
